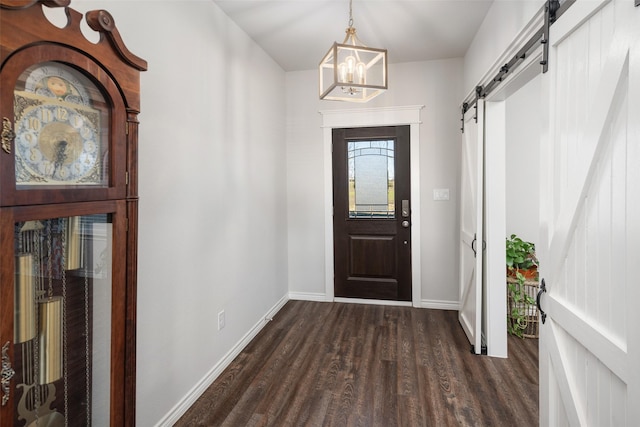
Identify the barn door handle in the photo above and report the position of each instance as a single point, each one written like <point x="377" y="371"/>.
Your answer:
<point x="543" y="289"/>
<point x="473" y="245"/>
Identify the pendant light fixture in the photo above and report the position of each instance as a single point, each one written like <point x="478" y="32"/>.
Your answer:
<point x="351" y="71"/>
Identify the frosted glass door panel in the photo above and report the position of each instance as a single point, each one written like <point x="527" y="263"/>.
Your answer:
<point x="371" y="179"/>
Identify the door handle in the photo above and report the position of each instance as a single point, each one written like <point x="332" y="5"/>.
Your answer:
<point x="405" y="224"/>
<point x="543" y="289"/>
<point x="405" y="209"/>
<point x="473" y="245"/>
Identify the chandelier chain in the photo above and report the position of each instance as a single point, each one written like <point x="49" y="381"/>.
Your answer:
<point x="350" y="13"/>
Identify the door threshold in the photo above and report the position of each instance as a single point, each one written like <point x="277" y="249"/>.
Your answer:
<point x="373" y="301"/>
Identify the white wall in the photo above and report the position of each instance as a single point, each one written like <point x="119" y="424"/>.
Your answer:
<point x="505" y="19"/>
<point x="524" y="121"/>
<point x="212" y="191"/>
<point x="435" y="84"/>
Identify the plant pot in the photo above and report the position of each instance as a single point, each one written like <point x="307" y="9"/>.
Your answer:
<point x="528" y="273"/>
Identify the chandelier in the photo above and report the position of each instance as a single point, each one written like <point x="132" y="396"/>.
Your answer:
<point x="351" y="71"/>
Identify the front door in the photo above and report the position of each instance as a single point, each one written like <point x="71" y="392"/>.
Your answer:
<point x="590" y="198"/>
<point x="372" y="213"/>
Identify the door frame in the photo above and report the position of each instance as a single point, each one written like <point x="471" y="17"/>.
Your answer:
<point x="494" y="300"/>
<point x="495" y="307"/>
<point x="373" y="117"/>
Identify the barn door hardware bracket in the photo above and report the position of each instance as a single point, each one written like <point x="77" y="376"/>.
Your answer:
<point x="479" y="94"/>
<point x="465" y="108"/>
<point x="543" y="290"/>
<point x="553" y="11"/>
<point x="550" y="10"/>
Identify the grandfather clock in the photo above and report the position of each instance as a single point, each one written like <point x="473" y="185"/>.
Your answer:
<point x="68" y="218"/>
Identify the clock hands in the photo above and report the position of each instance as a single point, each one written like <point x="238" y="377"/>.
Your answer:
<point x="61" y="155"/>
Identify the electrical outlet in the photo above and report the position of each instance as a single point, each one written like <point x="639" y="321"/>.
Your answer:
<point x="221" y="320"/>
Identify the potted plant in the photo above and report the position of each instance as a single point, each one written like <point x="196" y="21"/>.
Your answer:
<point x="521" y="257"/>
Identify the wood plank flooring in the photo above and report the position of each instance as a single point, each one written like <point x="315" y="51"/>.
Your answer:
<point x="337" y="364"/>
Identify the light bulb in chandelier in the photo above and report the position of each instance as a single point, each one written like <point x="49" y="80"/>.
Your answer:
<point x="351" y="65"/>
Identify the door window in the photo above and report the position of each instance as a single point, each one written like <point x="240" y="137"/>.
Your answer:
<point x="371" y="179"/>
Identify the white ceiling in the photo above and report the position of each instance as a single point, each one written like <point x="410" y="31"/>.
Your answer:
<point x="297" y="33"/>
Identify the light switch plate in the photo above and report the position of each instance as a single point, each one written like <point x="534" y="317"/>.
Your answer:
<point x="440" y="194"/>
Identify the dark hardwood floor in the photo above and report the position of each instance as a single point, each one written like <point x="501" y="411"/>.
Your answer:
<point x="336" y="364"/>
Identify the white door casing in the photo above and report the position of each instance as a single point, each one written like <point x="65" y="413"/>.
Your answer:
<point x="590" y="218"/>
<point x="471" y="222"/>
<point x="362" y="117"/>
<point x="495" y="198"/>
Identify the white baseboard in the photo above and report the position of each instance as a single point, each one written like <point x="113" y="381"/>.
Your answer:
<point x="181" y="408"/>
<point x="440" y="304"/>
<point x="308" y="296"/>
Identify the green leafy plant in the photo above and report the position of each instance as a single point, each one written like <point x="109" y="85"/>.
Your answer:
<point x="519" y="306"/>
<point x="521" y="255"/>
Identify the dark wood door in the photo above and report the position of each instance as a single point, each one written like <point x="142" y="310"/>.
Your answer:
<point x="372" y="213"/>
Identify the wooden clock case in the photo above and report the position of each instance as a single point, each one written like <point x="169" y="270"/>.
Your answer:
<point x="27" y="38"/>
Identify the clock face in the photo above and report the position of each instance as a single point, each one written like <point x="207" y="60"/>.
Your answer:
<point x="56" y="142"/>
<point x="59" y="138"/>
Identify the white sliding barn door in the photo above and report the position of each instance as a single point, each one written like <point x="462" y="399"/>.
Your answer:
<point x="589" y="248"/>
<point x="471" y="210"/>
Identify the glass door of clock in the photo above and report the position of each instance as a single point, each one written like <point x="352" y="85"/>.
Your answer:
<point x="63" y="331"/>
<point x="60" y="137"/>
<point x="64" y="129"/>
